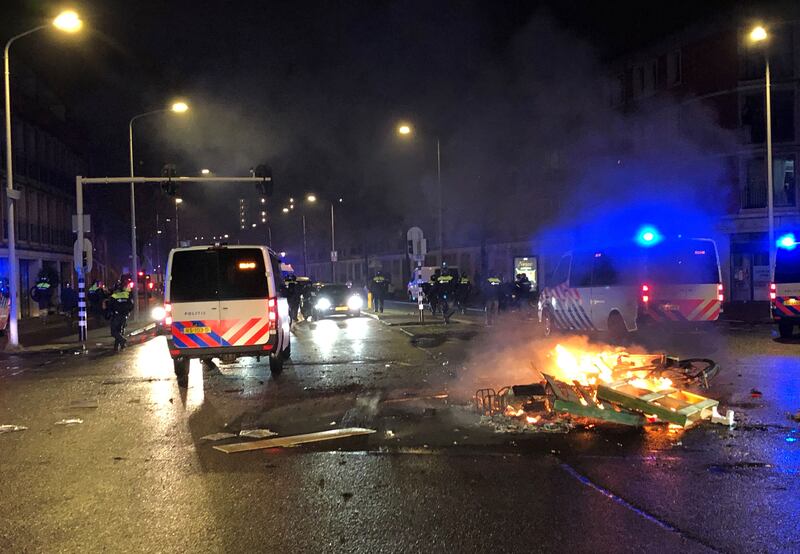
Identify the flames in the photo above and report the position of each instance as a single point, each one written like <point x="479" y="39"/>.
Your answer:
<point x="589" y="368"/>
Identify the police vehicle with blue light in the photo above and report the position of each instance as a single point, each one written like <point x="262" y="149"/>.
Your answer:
<point x="616" y="289"/>
<point x="784" y="291"/>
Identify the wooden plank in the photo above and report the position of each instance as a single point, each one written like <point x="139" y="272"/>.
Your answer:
<point x="294" y="440"/>
<point x="561" y="389"/>
<point x="656" y="395"/>
<point x="595" y="412"/>
<point x="679" y="407"/>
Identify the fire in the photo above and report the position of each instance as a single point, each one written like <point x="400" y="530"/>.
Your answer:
<point x="603" y="366"/>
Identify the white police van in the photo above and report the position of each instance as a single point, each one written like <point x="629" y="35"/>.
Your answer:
<point x="225" y="302"/>
<point x="674" y="282"/>
<point x="784" y="291"/>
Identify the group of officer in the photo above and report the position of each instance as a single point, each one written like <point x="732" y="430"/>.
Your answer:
<point x="499" y="294"/>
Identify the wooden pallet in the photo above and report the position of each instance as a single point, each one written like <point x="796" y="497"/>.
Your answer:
<point x="577" y="400"/>
<point x="675" y="406"/>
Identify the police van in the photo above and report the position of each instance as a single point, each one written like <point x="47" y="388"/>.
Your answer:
<point x="225" y="302"/>
<point x="784" y="291"/>
<point x="674" y="282"/>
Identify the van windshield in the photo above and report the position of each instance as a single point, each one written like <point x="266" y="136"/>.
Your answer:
<point x="787" y="266"/>
<point x="683" y="262"/>
<point x="226" y="274"/>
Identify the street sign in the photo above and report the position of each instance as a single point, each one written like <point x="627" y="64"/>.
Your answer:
<point x="334" y="256"/>
<point x="85" y="253"/>
<point x="417" y="244"/>
<point x="87" y="223"/>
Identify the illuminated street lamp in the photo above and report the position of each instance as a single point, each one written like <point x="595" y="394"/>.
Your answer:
<point x="405" y="131"/>
<point x="176" y="107"/>
<point x="68" y="22"/>
<point x="178" y="202"/>
<point x="758" y="35"/>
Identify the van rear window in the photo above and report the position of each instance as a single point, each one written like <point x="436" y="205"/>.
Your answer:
<point x="787" y="266"/>
<point x="242" y="274"/>
<point x="226" y="274"/>
<point x="683" y="262"/>
<point x="194" y="276"/>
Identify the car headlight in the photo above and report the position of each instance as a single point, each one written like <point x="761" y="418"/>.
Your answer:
<point x="158" y="313"/>
<point x="355" y="302"/>
<point x="323" y="304"/>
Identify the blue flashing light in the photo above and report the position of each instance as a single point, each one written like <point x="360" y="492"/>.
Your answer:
<point x="648" y="236"/>
<point x="787" y="242"/>
<point x="791" y="439"/>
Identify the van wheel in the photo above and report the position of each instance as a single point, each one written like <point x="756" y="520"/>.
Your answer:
<point x="181" y="370"/>
<point x="275" y="364"/>
<point x="287" y="352"/>
<point x="785" y="330"/>
<point x="616" y="327"/>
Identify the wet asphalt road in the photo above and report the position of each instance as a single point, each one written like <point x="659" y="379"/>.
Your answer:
<point x="138" y="476"/>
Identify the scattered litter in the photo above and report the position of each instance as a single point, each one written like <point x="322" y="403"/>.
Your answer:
<point x="389" y="434"/>
<point x="726" y="419"/>
<point x="294" y="440"/>
<point x="442" y="396"/>
<point x="332" y="423"/>
<point x="257" y="433"/>
<point x="217" y="436"/>
<point x="388" y="365"/>
<point x="755" y="393"/>
<point x="98" y="344"/>
<point x="11" y="428"/>
<point x="70" y="421"/>
<point x="85" y="403"/>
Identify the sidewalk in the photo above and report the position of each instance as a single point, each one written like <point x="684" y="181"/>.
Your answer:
<point x="60" y="334"/>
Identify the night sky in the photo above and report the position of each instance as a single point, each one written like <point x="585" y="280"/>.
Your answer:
<point x="316" y="88"/>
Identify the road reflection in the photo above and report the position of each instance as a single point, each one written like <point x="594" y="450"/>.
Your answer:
<point x="342" y="334"/>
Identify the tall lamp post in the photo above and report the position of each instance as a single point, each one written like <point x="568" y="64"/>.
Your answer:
<point x="758" y="35"/>
<point x="405" y="130"/>
<point x="313" y="198"/>
<point x="177" y="107"/>
<point x="178" y="202"/>
<point x="69" y="22"/>
<point x="305" y="246"/>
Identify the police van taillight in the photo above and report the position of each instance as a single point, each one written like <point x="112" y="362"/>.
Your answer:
<point x="720" y="293"/>
<point x="168" y="309"/>
<point x="272" y="311"/>
<point x="645" y="294"/>
<point x="773" y="291"/>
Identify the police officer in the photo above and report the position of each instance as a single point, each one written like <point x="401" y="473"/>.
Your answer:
<point x="463" y="290"/>
<point x="492" y="289"/>
<point x="118" y="307"/>
<point x="379" y="287"/>
<point x="42" y="294"/>
<point x="292" y="296"/>
<point x="445" y="287"/>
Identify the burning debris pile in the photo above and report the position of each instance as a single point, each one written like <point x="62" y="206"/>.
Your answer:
<point x="612" y="386"/>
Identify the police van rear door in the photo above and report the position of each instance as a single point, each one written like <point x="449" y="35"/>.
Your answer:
<point x="684" y="282"/>
<point x="193" y="298"/>
<point x="244" y="294"/>
<point x="614" y="287"/>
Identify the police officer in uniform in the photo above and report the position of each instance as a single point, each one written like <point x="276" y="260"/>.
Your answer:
<point x="492" y="289"/>
<point x="445" y="288"/>
<point x="379" y="287"/>
<point x="118" y="308"/>
<point x="463" y="290"/>
<point x="292" y="296"/>
<point x="42" y="294"/>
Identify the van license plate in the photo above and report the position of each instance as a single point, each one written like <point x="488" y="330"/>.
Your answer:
<point x="341" y="308"/>
<point x="791" y="301"/>
<point x="196" y="330"/>
<point x="671" y="307"/>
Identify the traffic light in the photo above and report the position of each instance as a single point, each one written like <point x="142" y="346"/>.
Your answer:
<point x="266" y="186"/>
<point x="169" y="171"/>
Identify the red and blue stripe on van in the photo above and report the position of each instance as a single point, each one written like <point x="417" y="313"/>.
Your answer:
<point x="571" y="314"/>
<point x="216" y="334"/>
<point x="697" y="309"/>
<point x="785" y="306"/>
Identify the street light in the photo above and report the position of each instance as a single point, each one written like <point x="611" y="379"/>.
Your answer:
<point x="757" y="35"/>
<point x="404" y="130"/>
<point x="178" y="202"/>
<point x="68" y="22"/>
<point x="176" y="107"/>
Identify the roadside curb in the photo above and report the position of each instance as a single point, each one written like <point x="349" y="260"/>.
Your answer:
<point x="72" y="345"/>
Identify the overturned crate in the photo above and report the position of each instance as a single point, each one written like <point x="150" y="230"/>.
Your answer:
<point x="670" y="404"/>
<point x="577" y="400"/>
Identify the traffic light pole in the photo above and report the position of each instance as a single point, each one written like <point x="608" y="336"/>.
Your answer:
<point x="80" y="262"/>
